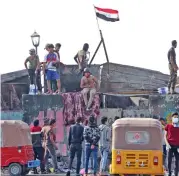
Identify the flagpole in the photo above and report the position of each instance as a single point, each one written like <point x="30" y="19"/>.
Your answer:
<point x="96" y="18"/>
<point x="101" y="42"/>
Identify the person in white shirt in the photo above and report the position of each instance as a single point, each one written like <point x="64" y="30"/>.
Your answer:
<point x="51" y="61"/>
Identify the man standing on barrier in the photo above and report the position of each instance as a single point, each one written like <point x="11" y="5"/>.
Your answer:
<point x="75" y="140"/>
<point x="173" y="67"/>
<point x="172" y="142"/>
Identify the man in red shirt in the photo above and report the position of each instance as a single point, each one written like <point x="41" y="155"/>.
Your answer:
<point x="172" y="142"/>
<point x="37" y="145"/>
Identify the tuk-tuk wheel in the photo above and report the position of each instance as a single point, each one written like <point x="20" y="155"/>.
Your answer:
<point x="15" y="169"/>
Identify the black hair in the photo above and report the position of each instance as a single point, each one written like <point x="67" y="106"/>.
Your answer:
<point x="104" y="120"/>
<point x="175" y="114"/>
<point x="58" y="44"/>
<point x="52" y="121"/>
<point x="91" y="119"/>
<point x="85" y="46"/>
<point x="161" y="119"/>
<point x="174" y="42"/>
<point x="36" y="122"/>
<point x="116" y="117"/>
<point x="78" y="119"/>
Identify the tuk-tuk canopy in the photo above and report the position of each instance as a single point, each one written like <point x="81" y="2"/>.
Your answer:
<point x="14" y="133"/>
<point x="137" y="134"/>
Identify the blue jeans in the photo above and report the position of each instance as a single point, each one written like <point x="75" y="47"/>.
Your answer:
<point x="88" y="152"/>
<point x="104" y="158"/>
<point x="83" y="160"/>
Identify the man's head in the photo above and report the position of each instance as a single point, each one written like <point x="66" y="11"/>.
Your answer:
<point x="116" y="117"/>
<point x="86" y="47"/>
<point x="174" y="43"/>
<point x="175" y="118"/>
<point x="92" y="120"/>
<point x="50" y="48"/>
<point x="52" y="123"/>
<point x="47" y="47"/>
<point x="104" y="120"/>
<point x="32" y="52"/>
<point x="57" y="46"/>
<point x="78" y="120"/>
<point x="162" y="120"/>
<point x="87" y="73"/>
<point x="46" y="121"/>
<point x="36" y="122"/>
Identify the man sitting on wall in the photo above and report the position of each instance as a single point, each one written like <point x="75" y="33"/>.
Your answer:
<point x="89" y="84"/>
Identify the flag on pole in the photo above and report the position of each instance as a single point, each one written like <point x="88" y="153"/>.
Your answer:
<point x="107" y="14"/>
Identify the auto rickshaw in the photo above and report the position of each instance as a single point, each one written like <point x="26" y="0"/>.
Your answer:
<point x="16" y="147"/>
<point x="137" y="147"/>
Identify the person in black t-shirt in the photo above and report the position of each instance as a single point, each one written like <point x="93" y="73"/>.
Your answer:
<point x="173" y="68"/>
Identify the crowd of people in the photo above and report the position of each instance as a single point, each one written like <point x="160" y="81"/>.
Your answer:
<point x="50" y="66"/>
<point x="85" y="141"/>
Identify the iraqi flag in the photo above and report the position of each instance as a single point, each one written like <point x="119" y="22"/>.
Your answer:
<point x="107" y="14"/>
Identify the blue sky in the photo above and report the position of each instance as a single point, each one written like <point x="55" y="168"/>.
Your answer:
<point x="141" y="38"/>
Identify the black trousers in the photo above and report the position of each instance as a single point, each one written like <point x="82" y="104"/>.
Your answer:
<point x="75" y="149"/>
<point x="39" y="154"/>
<point x="35" y="79"/>
<point x="172" y="151"/>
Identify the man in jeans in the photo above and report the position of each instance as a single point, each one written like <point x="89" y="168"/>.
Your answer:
<point x="104" y="143"/>
<point x="37" y="145"/>
<point x="91" y="136"/>
<point x="33" y="69"/>
<point x="75" y="140"/>
<point x="89" y="84"/>
<point x="172" y="142"/>
<point x="50" y="145"/>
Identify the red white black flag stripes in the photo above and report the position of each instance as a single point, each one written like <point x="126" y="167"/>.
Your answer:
<point x="107" y="14"/>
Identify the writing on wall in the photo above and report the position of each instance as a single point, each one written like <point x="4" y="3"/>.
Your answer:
<point x="164" y="105"/>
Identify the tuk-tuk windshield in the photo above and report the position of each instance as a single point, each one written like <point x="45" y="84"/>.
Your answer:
<point x="137" y="137"/>
<point x="15" y="133"/>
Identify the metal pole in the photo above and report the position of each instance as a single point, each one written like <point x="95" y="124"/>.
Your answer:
<point x="104" y="46"/>
<point x="95" y="52"/>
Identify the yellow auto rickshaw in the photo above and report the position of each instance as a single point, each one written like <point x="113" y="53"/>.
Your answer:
<point x="137" y="147"/>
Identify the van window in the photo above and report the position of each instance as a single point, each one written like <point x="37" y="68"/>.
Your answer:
<point x="137" y="137"/>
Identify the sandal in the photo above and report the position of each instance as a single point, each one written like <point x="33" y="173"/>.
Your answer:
<point x="57" y="92"/>
<point x="49" y="92"/>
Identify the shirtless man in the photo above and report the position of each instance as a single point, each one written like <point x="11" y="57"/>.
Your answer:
<point x="89" y="84"/>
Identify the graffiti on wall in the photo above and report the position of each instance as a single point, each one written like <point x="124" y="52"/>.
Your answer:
<point x="164" y="105"/>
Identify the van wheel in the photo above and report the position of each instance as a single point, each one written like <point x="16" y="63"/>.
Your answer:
<point x="15" y="169"/>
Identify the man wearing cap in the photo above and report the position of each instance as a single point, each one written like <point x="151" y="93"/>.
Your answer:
<point x="51" y="61"/>
<point x="173" y="67"/>
<point x="89" y="84"/>
<point x="81" y="57"/>
<point x="33" y="68"/>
